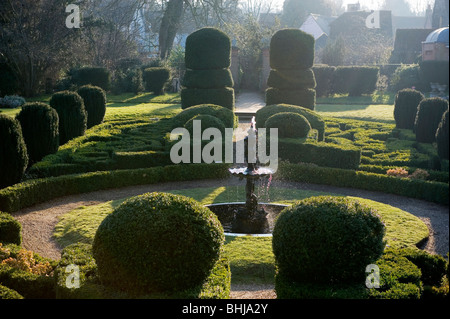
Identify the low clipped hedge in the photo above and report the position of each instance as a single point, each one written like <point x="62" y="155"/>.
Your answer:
<point x="217" y="285"/>
<point x="206" y="121"/>
<point x="157" y="242"/>
<point x="313" y="118"/>
<point x="355" y="80"/>
<point x="301" y="97"/>
<point x="291" y="49"/>
<point x="37" y="191"/>
<point x="10" y="230"/>
<point x="226" y="115"/>
<point x="194" y="96"/>
<point x="289" y="125"/>
<point x="292" y="79"/>
<point x="327" y="239"/>
<point x="323" y="75"/>
<point x="414" y="188"/>
<point x="208" y="79"/>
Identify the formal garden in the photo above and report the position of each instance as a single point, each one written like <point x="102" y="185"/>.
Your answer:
<point x="168" y="243"/>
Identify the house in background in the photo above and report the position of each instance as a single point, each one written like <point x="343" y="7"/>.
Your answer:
<point x="436" y="46"/>
<point x="319" y="27"/>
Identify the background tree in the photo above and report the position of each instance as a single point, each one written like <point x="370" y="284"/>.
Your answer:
<point x="295" y="12"/>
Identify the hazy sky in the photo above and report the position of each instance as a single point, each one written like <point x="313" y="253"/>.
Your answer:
<point x="373" y="4"/>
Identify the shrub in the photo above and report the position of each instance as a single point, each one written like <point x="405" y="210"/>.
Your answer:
<point x="8" y="81"/>
<point x="6" y="293"/>
<point x="405" y="107"/>
<point x="435" y="71"/>
<point x="13" y="151"/>
<point x="40" y="130"/>
<point x="291" y="49"/>
<point x="10" y="229"/>
<point x="208" y="48"/>
<point x="224" y="114"/>
<point x="429" y="115"/>
<point x="94" y="99"/>
<point x="207" y="121"/>
<point x="313" y="118"/>
<point x="406" y="76"/>
<point x="72" y="115"/>
<point x="223" y="97"/>
<point x="442" y="136"/>
<point x="327" y="239"/>
<point x="292" y="79"/>
<point x="304" y="97"/>
<point x="11" y="101"/>
<point x="96" y="76"/>
<point x="129" y="81"/>
<point x="355" y="80"/>
<point x="323" y="75"/>
<point x="208" y="79"/>
<point x="157" y="242"/>
<point x="156" y="79"/>
<point x="397" y="172"/>
<point x="289" y="124"/>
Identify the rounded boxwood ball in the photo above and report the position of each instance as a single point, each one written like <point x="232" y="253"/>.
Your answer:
<point x="157" y="242"/>
<point x="289" y="124"/>
<point x="207" y="121"/>
<point x="327" y="239"/>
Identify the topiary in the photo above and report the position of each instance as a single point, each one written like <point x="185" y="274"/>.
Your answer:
<point x="429" y="115"/>
<point x="405" y="107"/>
<point x="156" y="79"/>
<point x="225" y="115"/>
<point x="208" y="79"/>
<point x="208" y="48"/>
<point x="313" y="118"/>
<point x="291" y="49"/>
<point x="442" y="136"/>
<point x="10" y="230"/>
<point x="327" y="239"/>
<point x="192" y="96"/>
<point x="13" y="152"/>
<point x="96" y="76"/>
<point x="207" y="121"/>
<point x="72" y="115"/>
<point x="300" y="97"/>
<point x="157" y="242"/>
<point x="289" y="124"/>
<point x="39" y="124"/>
<point x="94" y="99"/>
<point x="292" y="79"/>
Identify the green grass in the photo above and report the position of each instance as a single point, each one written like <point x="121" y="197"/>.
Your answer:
<point x="251" y="258"/>
<point x="376" y="98"/>
<point x="371" y="112"/>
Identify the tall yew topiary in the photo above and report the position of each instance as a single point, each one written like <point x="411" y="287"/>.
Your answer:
<point x="39" y="124"/>
<point x="94" y="99"/>
<point x="442" y="137"/>
<point x="13" y="152"/>
<point x="291" y="80"/>
<point x="405" y="107"/>
<point x="72" y="115"/>
<point x="429" y="115"/>
<point x="208" y="78"/>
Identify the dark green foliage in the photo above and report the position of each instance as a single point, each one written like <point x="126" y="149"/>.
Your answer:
<point x="157" y="242"/>
<point x="292" y="79"/>
<point x="323" y="75"/>
<point x="94" y="99"/>
<point x="128" y="81"/>
<point x="6" y="293"/>
<point x="327" y="240"/>
<point x="208" y="48"/>
<point x="291" y="49"/>
<point x="8" y="80"/>
<point x="10" y="229"/>
<point x="96" y="76"/>
<point x="355" y="80"/>
<point x="208" y="79"/>
<point x="223" y="97"/>
<point x="72" y="115"/>
<point x="224" y="114"/>
<point x="289" y="124"/>
<point x="429" y="115"/>
<point x="207" y="121"/>
<point x="303" y="97"/>
<point x="435" y="72"/>
<point x="13" y="152"/>
<point x="313" y="118"/>
<point x="156" y="79"/>
<point x="407" y="76"/>
<point x="40" y="128"/>
<point x="405" y="107"/>
<point x="442" y="136"/>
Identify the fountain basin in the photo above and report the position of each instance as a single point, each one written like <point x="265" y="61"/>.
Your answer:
<point x="227" y="212"/>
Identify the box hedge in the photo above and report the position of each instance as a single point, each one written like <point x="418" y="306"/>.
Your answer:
<point x="301" y="97"/>
<point x="355" y="80"/>
<point x="156" y="79"/>
<point x="10" y="230"/>
<point x="291" y="49"/>
<point x="429" y="115"/>
<point x="442" y="137"/>
<point x="94" y="99"/>
<point x="292" y="79"/>
<point x="96" y="76"/>
<point x="289" y="124"/>
<point x="208" y="79"/>
<point x="192" y="96"/>
<point x="226" y="115"/>
<point x="405" y="107"/>
<point x="323" y="75"/>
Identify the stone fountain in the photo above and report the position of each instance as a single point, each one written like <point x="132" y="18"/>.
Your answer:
<point x="250" y="217"/>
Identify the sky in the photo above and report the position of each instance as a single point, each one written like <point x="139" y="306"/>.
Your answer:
<point x="371" y="4"/>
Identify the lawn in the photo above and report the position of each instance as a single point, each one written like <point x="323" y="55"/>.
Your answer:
<point x="366" y="112"/>
<point x="251" y="258"/>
